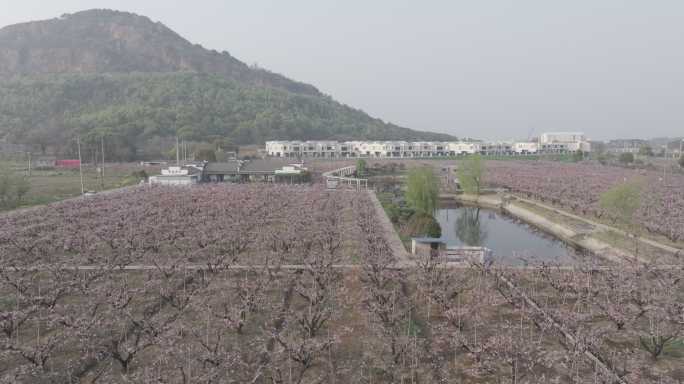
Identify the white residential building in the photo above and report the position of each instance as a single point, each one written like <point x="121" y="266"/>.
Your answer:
<point x="421" y="149"/>
<point x="463" y="148"/>
<point x="497" y="148"/>
<point x="379" y="149"/>
<point x="561" y="137"/>
<point x="563" y="142"/>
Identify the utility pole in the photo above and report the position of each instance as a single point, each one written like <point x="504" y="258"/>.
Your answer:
<point x="29" y="163"/>
<point x="80" y="164"/>
<point x="103" y="160"/>
<point x="177" y="152"/>
<point x="539" y="147"/>
<point x="665" y="164"/>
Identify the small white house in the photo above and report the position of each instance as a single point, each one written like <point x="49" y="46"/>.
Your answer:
<point x="524" y="148"/>
<point x="177" y="176"/>
<point x="292" y="169"/>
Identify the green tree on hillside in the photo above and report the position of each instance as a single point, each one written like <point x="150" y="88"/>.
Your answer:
<point x="136" y="109"/>
<point x="422" y="190"/>
<point x="471" y="173"/>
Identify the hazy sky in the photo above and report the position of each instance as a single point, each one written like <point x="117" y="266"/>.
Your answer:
<point x="479" y="68"/>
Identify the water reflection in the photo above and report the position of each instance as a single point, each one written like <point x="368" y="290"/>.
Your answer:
<point x="469" y="229"/>
<point x="511" y="241"/>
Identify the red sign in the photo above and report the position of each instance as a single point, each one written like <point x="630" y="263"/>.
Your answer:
<point x="67" y="163"/>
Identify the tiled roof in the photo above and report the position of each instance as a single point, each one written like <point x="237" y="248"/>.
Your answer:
<point x="222" y="168"/>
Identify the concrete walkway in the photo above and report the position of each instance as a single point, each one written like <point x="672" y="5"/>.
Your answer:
<point x="393" y="240"/>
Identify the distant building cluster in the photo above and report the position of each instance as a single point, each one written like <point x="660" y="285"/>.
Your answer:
<point x="662" y="147"/>
<point x="626" y="145"/>
<point x="551" y="143"/>
<point x="563" y="142"/>
<point x="234" y="171"/>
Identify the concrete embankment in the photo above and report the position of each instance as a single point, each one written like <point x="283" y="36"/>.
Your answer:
<point x="485" y="201"/>
<point x="393" y="240"/>
<point x="579" y="240"/>
<point x="646" y="241"/>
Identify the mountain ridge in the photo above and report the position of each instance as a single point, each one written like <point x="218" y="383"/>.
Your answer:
<point x="109" y="41"/>
<point x="118" y="73"/>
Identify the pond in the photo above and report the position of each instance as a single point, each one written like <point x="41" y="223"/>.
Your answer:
<point x="513" y="242"/>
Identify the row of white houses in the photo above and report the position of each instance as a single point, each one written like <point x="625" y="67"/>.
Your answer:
<point x="548" y="143"/>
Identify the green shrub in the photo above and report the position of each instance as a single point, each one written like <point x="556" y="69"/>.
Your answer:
<point x="626" y="158"/>
<point x="421" y="224"/>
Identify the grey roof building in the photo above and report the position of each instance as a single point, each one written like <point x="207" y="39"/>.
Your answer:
<point x="219" y="172"/>
<point x="268" y="170"/>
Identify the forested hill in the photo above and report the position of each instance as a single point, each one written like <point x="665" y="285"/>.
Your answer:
<point x="134" y="109"/>
<point x="121" y="75"/>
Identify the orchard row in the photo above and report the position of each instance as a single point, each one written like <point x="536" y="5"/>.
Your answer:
<point x="372" y="322"/>
<point x="579" y="188"/>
